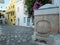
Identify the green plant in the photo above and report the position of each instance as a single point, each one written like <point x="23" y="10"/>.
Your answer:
<point x="30" y="4"/>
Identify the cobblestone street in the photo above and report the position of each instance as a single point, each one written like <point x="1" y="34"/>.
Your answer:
<point x="14" y="35"/>
<point x="18" y="35"/>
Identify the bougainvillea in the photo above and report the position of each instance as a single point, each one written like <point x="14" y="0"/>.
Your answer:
<point x="34" y="4"/>
<point x="37" y="5"/>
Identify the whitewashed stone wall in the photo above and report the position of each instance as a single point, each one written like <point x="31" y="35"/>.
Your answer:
<point x="48" y="14"/>
<point x="47" y="21"/>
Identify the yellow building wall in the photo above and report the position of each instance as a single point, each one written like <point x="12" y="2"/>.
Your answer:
<point x="11" y="7"/>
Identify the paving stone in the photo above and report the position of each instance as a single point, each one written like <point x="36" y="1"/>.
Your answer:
<point x="24" y="40"/>
<point x="15" y="35"/>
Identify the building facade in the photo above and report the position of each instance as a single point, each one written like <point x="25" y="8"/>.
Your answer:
<point x="22" y="16"/>
<point x="11" y="12"/>
<point x="2" y="16"/>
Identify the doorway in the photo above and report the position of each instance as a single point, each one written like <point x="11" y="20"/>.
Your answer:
<point x="28" y="21"/>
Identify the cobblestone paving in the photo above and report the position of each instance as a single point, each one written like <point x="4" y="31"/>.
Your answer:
<point x="18" y="35"/>
<point x="14" y="35"/>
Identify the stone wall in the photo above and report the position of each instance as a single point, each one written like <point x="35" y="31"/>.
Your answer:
<point x="47" y="23"/>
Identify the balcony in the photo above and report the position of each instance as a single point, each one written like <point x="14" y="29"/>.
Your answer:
<point x="11" y="10"/>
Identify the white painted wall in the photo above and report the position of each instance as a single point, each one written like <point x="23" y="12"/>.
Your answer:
<point x="20" y="14"/>
<point x="56" y="2"/>
<point x="49" y="8"/>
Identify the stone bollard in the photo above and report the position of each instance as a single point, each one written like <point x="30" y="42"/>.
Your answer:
<point x="46" y="23"/>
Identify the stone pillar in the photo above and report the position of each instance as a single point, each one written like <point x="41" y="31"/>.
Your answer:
<point x="49" y="15"/>
<point x="46" y="22"/>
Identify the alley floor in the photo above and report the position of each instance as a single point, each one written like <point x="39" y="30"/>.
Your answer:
<point x="15" y="35"/>
<point x="18" y="35"/>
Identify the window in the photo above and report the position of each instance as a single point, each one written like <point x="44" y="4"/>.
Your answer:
<point x="18" y="20"/>
<point x="28" y="21"/>
<point x="13" y="6"/>
<point x="14" y="19"/>
<point x="9" y="7"/>
<point x="24" y="19"/>
<point x="11" y="20"/>
<point x="8" y="16"/>
<point x="12" y="13"/>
